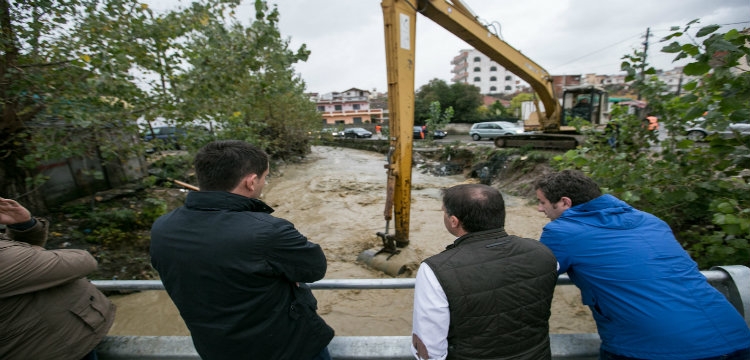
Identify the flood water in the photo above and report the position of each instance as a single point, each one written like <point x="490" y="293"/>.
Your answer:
<point x="336" y="198"/>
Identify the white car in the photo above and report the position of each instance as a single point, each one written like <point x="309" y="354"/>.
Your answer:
<point x="698" y="133"/>
<point x="493" y="129"/>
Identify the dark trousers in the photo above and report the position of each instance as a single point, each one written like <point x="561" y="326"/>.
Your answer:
<point x="91" y="356"/>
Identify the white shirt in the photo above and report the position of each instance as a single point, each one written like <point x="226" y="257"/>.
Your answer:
<point x="431" y="316"/>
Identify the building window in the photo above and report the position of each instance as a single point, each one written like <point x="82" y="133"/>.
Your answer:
<point x="340" y="122"/>
<point x="355" y="106"/>
<point x="477" y="59"/>
<point x="508" y="88"/>
<point x="321" y="108"/>
<point x="477" y="69"/>
<point x="337" y="107"/>
<point x="493" y="88"/>
<point x="493" y="78"/>
<point x="493" y="68"/>
<point x="508" y="78"/>
<point x="477" y="79"/>
<point x="357" y="120"/>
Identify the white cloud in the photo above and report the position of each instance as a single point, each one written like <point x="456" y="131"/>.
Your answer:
<point x="346" y="37"/>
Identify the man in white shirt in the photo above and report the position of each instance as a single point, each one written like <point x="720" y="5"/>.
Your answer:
<point x="488" y="295"/>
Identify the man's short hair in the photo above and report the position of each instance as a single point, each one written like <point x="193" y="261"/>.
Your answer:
<point x="478" y="207"/>
<point x="572" y="184"/>
<point x="221" y="165"/>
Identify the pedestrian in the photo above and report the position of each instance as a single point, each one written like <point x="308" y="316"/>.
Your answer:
<point x="378" y="130"/>
<point x="48" y="309"/>
<point x="646" y="294"/>
<point x="488" y="295"/>
<point x="236" y="273"/>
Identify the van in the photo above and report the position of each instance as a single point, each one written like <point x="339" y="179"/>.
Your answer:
<point x="493" y="129"/>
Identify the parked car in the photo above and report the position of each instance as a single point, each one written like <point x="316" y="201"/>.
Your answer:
<point x="329" y="131"/>
<point x="357" y="133"/>
<point x="493" y="129"/>
<point x="169" y="136"/>
<point x="698" y="132"/>
<point x="437" y="134"/>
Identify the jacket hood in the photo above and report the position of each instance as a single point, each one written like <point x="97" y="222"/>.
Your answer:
<point x="220" y="200"/>
<point x="606" y="212"/>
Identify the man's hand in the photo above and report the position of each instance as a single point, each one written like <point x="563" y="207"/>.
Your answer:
<point x="12" y="212"/>
<point x="419" y="345"/>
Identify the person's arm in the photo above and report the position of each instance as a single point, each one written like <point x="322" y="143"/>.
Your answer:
<point x="431" y="317"/>
<point x="557" y="243"/>
<point x="294" y="256"/>
<point x="28" y="268"/>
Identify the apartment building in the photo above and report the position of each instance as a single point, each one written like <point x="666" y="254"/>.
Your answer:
<point x="473" y="67"/>
<point x="349" y="107"/>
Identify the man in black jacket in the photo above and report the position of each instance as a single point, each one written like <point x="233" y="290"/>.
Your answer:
<point x="236" y="273"/>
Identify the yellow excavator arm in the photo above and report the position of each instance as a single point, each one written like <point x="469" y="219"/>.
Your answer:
<point x="400" y="18"/>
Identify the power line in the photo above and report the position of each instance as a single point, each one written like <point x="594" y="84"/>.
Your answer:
<point x="600" y="50"/>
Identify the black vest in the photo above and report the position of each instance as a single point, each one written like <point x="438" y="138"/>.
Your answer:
<point x="499" y="291"/>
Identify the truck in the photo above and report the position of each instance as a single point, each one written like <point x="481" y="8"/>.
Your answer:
<point x="552" y="120"/>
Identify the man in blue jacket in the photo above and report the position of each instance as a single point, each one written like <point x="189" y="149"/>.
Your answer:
<point x="237" y="274"/>
<point x="647" y="296"/>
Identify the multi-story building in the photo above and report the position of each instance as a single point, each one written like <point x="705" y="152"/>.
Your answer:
<point x="348" y="107"/>
<point x="473" y="67"/>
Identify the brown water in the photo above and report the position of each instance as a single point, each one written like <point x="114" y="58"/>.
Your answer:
<point x="336" y="198"/>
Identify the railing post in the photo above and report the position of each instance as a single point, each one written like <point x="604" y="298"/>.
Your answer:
<point x="737" y="289"/>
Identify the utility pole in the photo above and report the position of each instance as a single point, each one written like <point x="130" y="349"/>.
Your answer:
<point x="645" y="55"/>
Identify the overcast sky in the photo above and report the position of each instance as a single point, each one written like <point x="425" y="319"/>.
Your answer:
<point x="568" y="37"/>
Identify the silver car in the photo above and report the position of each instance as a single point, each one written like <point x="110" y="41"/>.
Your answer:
<point x="698" y="133"/>
<point x="493" y="129"/>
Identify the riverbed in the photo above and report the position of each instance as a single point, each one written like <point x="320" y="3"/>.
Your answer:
<point x="336" y="198"/>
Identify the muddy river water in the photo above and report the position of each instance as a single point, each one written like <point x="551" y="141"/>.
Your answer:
<point x="336" y="198"/>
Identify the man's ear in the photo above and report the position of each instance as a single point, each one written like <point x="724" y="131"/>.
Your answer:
<point x="567" y="203"/>
<point x="455" y="223"/>
<point x="246" y="185"/>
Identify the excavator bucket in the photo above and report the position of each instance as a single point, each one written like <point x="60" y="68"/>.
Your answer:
<point x="389" y="259"/>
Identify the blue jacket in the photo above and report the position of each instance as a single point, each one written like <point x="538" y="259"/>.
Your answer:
<point x="646" y="294"/>
<point x="237" y="274"/>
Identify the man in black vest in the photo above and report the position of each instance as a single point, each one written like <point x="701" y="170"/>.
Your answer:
<point x="488" y="294"/>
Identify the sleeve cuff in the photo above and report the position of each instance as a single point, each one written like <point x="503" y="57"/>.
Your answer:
<point x="23" y="226"/>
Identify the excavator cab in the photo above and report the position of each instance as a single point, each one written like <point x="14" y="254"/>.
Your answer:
<point x="584" y="102"/>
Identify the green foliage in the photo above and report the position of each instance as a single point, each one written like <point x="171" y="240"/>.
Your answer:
<point x="516" y="101"/>
<point x="438" y="118"/>
<point x="464" y="99"/>
<point x="78" y="75"/>
<point x="172" y="167"/>
<point x="151" y="210"/>
<point x="701" y="190"/>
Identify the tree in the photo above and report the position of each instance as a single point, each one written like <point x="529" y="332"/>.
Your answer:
<point x="463" y="98"/>
<point x="79" y="74"/>
<point x="438" y="118"/>
<point x="701" y="190"/>
<point x="64" y="87"/>
<point x="260" y="99"/>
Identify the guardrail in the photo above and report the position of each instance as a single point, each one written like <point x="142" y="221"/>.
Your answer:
<point x="733" y="281"/>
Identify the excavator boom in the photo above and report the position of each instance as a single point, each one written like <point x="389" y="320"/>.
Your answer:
<point x="399" y="18"/>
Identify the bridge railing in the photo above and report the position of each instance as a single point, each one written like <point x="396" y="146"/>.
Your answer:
<point x="733" y="281"/>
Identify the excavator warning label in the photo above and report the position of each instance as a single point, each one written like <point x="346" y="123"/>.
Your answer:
<point x="405" y="31"/>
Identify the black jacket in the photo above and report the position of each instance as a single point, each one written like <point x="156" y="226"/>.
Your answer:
<point x="237" y="276"/>
<point x="499" y="289"/>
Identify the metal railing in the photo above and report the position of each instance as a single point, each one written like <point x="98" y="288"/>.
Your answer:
<point x="732" y="281"/>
